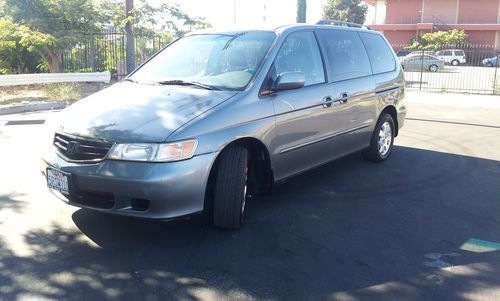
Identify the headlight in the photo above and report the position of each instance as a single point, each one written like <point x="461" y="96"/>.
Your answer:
<point x="154" y="152"/>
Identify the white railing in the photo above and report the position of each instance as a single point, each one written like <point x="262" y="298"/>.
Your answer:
<point x="48" y="78"/>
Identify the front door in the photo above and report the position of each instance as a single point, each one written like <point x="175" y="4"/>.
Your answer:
<point x="309" y="118"/>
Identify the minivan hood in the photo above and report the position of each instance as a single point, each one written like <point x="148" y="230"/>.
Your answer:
<point x="130" y="112"/>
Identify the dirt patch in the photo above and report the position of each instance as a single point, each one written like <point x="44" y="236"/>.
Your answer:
<point x="63" y="92"/>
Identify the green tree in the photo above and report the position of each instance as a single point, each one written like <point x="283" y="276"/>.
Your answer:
<point x="301" y="11"/>
<point x="64" y="23"/>
<point x="20" y="46"/>
<point x="345" y="10"/>
<point x="147" y="18"/>
<point x="63" y="20"/>
<point x="438" y="40"/>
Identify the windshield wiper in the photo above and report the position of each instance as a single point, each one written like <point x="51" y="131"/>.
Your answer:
<point x="130" y="80"/>
<point x="180" y="82"/>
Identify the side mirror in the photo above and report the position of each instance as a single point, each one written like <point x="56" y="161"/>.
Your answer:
<point x="290" y="81"/>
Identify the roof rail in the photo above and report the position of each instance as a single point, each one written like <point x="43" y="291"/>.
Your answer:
<point x="342" y="23"/>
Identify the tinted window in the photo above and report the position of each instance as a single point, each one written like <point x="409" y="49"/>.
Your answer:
<point x="379" y="52"/>
<point x="300" y="52"/>
<point x="445" y="52"/>
<point x="346" y="55"/>
<point x="459" y="52"/>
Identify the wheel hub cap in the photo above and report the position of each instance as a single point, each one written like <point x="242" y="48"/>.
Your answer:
<point x="384" y="138"/>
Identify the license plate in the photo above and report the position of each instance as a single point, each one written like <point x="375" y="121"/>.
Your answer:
<point x="58" y="180"/>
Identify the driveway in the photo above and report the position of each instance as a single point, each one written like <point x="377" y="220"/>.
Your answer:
<point x="424" y="225"/>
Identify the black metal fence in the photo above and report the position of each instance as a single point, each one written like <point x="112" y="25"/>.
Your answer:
<point x="478" y="73"/>
<point x="106" y="51"/>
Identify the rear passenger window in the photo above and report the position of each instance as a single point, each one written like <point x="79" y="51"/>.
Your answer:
<point x="346" y="55"/>
<point x="379" y="52"/>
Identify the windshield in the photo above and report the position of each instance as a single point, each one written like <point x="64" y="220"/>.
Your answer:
<point x="219" y="60"/>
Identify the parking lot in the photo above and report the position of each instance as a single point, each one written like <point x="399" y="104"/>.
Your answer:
<point x="424" y="225"/>
<point x="466" y="79"/>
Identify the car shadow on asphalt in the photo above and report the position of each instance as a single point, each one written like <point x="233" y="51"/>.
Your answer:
<point x="349" y="229"/>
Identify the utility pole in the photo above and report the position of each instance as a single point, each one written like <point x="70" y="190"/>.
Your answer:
<point x="234" y="12"/>
<point x="130" y="43"/>
<point x="264" y="14"/>
<point x="301" y="11"/>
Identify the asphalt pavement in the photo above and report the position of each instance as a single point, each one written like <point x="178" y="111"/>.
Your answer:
<point x="424" y="225"/>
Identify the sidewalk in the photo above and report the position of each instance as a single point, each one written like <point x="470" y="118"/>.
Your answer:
<point x="33" y="107"/>
<point x="449" y="107"/>
<point x="455" y="99"/>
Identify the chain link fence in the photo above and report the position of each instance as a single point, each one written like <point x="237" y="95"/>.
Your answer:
<point x="106" y="51"/>
<point x="453" y="68"/>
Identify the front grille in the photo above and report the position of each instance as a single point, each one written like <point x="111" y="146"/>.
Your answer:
<point x="80" y="149"/>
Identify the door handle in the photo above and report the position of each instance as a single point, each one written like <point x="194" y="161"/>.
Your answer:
<point x="327" y="101"/>
<point x="343" y="98"/>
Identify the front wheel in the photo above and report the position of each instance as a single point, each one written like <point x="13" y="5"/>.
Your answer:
<point x="433" y="68"/>
<point x="382" y="140"/>
<point x="231" y="188"/>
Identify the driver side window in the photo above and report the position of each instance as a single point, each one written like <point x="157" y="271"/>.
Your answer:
<point x="300" y="52"/>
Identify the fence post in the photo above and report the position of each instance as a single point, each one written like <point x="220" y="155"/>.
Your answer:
<point x="421" y="71"/>
<point x="495" y="76"/>
<point x="92" y="51"/>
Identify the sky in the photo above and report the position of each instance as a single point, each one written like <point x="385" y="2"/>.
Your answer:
<point x="249" y="13"/>
<point x="220" y="13"/>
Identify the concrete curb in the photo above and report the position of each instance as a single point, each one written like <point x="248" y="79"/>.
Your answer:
<point x="34" y="107"/>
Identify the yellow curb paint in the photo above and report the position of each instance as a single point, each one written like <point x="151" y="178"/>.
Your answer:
<point x="480" y="246"/>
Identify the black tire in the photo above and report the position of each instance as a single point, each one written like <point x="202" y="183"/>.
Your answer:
<point x="455" y="63"/>
<point x="372" y="153"/>
<point x="230" y="188"/>
<point x="433" y="68"/>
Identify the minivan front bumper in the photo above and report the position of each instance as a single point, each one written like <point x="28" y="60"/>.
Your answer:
<point x="139" y="189"/>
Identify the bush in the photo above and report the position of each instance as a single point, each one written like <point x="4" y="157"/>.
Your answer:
<point x="63" y="92"/>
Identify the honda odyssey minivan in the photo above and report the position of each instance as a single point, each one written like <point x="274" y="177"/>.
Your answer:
<point x="217" y="116"/>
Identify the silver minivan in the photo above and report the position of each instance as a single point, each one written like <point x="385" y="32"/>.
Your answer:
<point x="217" y="116"/>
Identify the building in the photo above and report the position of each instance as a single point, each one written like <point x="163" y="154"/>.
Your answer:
<point x="402" y="20"/>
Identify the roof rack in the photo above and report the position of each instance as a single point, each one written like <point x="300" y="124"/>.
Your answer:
<point x="342" y="23"/>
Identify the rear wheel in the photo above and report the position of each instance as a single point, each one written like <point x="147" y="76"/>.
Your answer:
<point x="455" y="62"/>
<point x="382" y="140"/>
<point x="230" y="191"/>
<point x="433" y="68"/>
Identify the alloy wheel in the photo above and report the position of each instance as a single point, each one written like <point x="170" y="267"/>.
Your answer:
<point x="385" y="139"/>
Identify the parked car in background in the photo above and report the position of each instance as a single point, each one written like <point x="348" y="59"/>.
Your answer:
<point x="491" y="61"/>
<point x="427" y="52"/>
<point x="418" y="62"/>
<point x="453" y="57"/>
<point x="402" y="53"/>
<point x="217" y="116"/>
